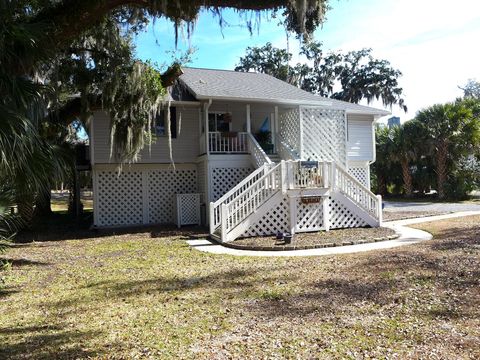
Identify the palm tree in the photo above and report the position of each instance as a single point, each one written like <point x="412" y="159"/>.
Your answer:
<point x="382" y="165"/>
<point x="451" y="130"/>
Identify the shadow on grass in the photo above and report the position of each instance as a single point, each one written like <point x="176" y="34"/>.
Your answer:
<point x="45" y="342"/>
<point x="62" y="226"/>
<point x="23" y="262"/>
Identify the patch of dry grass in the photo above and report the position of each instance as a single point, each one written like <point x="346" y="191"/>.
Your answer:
<point x="149" y="295"/>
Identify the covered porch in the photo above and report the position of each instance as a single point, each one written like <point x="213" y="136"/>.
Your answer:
<point x="234" y="128"/>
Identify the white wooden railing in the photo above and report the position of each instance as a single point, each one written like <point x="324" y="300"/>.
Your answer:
<point x="301" y="176"/>
<point x="244" y="199"/>
<point x="247" y="202"/>
<point x="285" y="151"/>
<point x="215" y="207"/>
<point x="259" y="156"/>
<point x="227" y="142"/>
<point x="350" y="187"/>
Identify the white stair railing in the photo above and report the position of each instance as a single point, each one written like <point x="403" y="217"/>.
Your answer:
<point x="354" y="190"/>
<point x="246" y="203"/>
<point x="285" y="151"/>
<point x="215" y="207"/>
<point x="259" y="157"/>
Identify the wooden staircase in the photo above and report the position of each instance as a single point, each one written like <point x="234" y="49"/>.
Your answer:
<point x="233" y="214"/>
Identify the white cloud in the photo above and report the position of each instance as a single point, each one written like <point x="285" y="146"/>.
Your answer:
<point x="434" y="44"/>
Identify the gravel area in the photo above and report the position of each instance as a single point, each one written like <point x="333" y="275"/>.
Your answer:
<point x="390" y="215"/>
<point x="426" y="206"/>
<point x="332" y="238"/>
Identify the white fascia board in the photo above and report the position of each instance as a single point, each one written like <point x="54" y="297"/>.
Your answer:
<point x="268" y="101"/>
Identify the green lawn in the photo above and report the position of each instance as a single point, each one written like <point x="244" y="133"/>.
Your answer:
<point x="147" y="294"/>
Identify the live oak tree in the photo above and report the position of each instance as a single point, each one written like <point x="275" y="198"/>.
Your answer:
<point x="53" y="49"/>
<point x="351" y="76"/>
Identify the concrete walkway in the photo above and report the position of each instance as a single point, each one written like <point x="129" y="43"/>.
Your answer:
<point x="407" y="236"/>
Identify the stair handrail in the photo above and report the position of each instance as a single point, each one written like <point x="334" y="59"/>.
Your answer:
<point x="370" y="202"/>
<point x="285" y="151"/>
<point x="256" y="194"/>
<point x="215" y="211"/>
<point x="259" y="156"/>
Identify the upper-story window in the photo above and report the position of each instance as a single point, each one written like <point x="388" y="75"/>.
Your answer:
<point x="218" y="122"/>
<point x="160" y="128"/>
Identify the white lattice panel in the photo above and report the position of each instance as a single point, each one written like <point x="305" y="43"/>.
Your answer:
<point x="162" y="185"/>
<point x="341" y="217"/>
<point x="225" y="178"/>
<point x="275" y="220"/>
<point x="309" y="216"/>
<point x="290" y="128"/>
<point x="187" y="209"/>
<point x="360" y="173"/>
<point x="119" y="198"/>
<point x="323" y="135"/>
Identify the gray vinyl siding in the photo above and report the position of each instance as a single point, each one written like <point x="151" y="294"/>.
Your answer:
<point x="360" y="143"/>
<point x="185" y="147"/>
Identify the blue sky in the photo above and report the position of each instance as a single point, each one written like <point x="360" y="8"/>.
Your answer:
<point x="435" y="43"/>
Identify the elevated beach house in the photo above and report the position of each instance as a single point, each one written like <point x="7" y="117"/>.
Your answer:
<point x="253" y="156"/>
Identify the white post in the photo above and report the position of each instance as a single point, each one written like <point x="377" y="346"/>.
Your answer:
<point x="333" y="170"/>
<point x="273" y="130"/>
<point x="283" y="176"/>
<point x="275" y="120"/>
<point x="211" y="221"/>
<point x="293" y="215"/>
<point x="224" y="222"/>
<point x="325" y="174"/>
<point x="249" y="125"/>
<point x="207" y="130"/>
<point x="325" y="209"/>
<point x="290" y="171"/>
<point x="379" y="210"/>
<point x="300" y="125"/>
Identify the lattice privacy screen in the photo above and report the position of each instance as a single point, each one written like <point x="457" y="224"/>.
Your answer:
<point x="324" y="135"/>
<point x="275" y="220"/>
<point x="225" y="178"/>
<point x="140" y="196"/>
<point x="360" y="173"/>
<point x="186" y="209"/>
<point x="162" y="185"/>
<point x="119" y="198"/>
<point x="289" y="125"/>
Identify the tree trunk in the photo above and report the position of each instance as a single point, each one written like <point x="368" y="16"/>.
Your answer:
<point x="43" y="205"/>
<point x="407" y="178"/>
<point x="441" y="169"/>
<point x="382" y="185"/>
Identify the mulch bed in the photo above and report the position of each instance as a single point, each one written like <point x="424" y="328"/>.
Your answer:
<point x="315" y="240"/>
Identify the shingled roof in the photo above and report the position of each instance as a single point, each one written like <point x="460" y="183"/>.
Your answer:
<point x="207" y="84"/>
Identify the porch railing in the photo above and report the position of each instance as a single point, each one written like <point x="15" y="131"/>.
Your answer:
<point x="259" y="157"/>
<point x="229" y="142"/>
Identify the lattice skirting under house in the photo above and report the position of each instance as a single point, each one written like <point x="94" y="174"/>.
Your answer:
<point x="140" y="194"/>
<point x="225" y="178"/>
<point x="306" y="217"/>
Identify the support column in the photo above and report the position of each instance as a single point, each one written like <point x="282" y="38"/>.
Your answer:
<point x="249" y="125"/>
<point x="275" y="121"/>
<point x="206" y="106"/>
